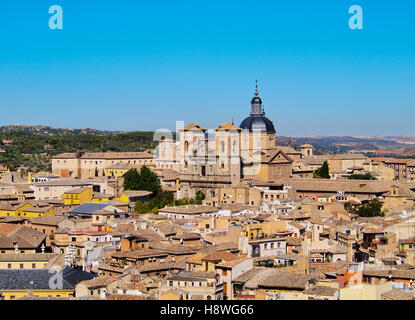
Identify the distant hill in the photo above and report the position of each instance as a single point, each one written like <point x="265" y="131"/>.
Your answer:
<point x="31" y="147"/>
<point x="42" y="129"/>
<point x="382" y="146"/>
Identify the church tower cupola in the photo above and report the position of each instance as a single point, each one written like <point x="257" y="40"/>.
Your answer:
<point x="257" y="120"/>
<point x="256" y="104"/>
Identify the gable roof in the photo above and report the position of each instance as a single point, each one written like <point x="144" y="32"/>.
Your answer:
<point x="227" y="126"/>
<point x="28" y="256"/>
<point x="275" y="156"/>
<point x="193" y="276"/>
<point x="90" y="208"/>
<point x="219" y="256"/>
<point x="25" y="237"/>
<point x="330" y="185"/>
<point x="104" y="155"/>
<point x="289" y="150"/>
<point x="190" y="209"/>
<point x="321" y="291"/>
<point x="274" y="278"/>
<point x="397" y="294"/>
<point x="193" y="127"/>
<point x="48" y="220"/>
<point x="99" y="282"/>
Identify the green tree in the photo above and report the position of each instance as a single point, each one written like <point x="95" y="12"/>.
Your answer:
<point x="322" y="172"/>
<point x="148" y="180"/>
<point x="372" y="208"/>
<point x="366" y="176"/>
<point x="200" y="196"/>
<point x="166" y="198"/>
<point x="142" y="207"/>
<point x="131" y="178"/>
<point x="162" y="199"/>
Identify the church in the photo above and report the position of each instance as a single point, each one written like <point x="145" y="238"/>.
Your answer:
<point x="228" y="156"/>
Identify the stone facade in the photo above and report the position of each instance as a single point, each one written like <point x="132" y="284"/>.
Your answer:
<point x="214" y="160"/>
<point x="85" y="165"/>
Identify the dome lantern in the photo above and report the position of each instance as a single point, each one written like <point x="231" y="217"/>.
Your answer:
<point x="257" y="120"/>
<point x="256" y="103"/>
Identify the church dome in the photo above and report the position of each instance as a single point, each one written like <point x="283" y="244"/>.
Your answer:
<point x="255" y="124"/>
<point x="257" y="120"/>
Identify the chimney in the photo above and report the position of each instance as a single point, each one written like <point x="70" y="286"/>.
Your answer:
<point x="16" y="247"/>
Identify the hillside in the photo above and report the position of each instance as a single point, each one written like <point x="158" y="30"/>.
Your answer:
<point x="42" y="129"/>
<point x="33" y="146"/>
<point x="372" y="146"/>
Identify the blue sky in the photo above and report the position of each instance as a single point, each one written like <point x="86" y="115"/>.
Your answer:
<point x="143" y="65"/>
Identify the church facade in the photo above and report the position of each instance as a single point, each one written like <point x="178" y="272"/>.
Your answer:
<point x="226" y="157"/>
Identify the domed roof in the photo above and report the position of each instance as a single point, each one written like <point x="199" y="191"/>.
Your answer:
<point x="255" y="123"/>
<point x="257" y="120"/>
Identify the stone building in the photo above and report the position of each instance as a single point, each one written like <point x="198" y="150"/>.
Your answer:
<point x="85" y="165"/>
<point x="208" y="160"/>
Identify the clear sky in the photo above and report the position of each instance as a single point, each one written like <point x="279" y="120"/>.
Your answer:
<point x="142" y="65"/>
